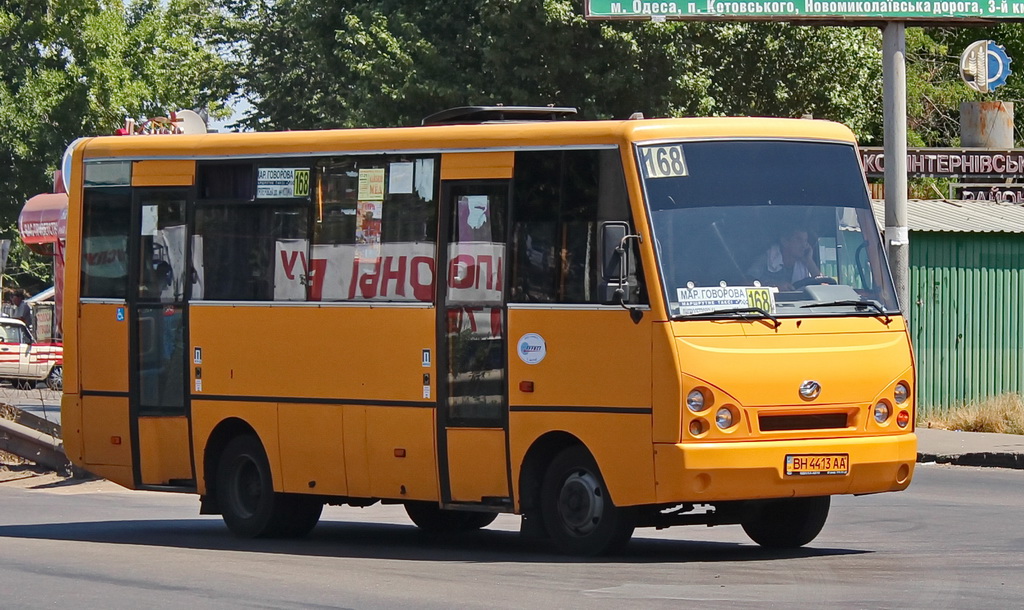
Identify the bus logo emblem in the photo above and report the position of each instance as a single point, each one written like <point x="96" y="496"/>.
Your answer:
<point x="810" y="389"/>
<point x="531" y="348"/>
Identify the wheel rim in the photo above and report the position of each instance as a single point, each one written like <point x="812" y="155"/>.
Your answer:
<point x="57" y="378"/>
<point x="247" y="489"/>
<point x="581" y="502"/>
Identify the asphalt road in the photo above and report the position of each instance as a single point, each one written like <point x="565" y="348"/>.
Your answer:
<point x="953" y="540"/>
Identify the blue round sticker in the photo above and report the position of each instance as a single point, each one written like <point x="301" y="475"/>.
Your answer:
<point x="532" y="348"/>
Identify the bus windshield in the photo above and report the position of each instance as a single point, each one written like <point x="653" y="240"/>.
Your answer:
<point x="777" y="227"/>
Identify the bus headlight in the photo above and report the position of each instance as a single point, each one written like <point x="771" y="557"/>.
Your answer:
<point x="695" y="401"/>
<point x="724" y="418"/>
<point x="698" y="427"/>
<point x="882" y="412"/>
<point x="901" y="393"/>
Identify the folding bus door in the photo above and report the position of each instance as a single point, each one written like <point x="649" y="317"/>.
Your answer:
<point x="158" y="365"/>
<point x="472" y="368"/>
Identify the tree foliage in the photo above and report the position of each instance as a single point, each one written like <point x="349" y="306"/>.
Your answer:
<point x="313" y="63"/>
<point x="72" y="68"/>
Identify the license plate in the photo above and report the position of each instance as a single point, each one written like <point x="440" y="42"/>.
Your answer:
<point x="815" y="464"/>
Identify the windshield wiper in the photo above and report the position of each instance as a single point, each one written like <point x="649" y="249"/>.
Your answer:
<point x="866" y="303"/>
<point x="761" y="314"/>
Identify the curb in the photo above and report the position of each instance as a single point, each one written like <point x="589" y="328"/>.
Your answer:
<point x="985" y="459"/>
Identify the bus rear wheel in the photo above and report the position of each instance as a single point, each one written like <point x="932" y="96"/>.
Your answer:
<point x="787" y="523"/>
<point x="578" y="512"/>
<point x="430" y="517"/>
<point x="247" y="500"/>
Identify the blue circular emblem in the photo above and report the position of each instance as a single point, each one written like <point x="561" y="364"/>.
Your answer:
<point x="985" y="65"/>
<point x="531" y="348"/>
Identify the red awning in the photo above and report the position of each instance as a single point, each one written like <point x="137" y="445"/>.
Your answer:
<point x="44" y="218"/>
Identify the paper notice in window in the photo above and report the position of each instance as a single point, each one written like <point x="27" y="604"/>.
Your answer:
<point x="400" y="179"/>
<point x="371" y="184"/>
<point x="150" y="214"/>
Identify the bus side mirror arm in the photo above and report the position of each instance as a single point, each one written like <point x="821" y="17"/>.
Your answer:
<point x="635" y="313"/>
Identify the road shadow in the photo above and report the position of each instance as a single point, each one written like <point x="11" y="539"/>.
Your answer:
<point x="399" y="542"/>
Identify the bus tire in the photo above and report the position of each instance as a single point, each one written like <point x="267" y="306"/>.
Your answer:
<point x="245" y="494"/>
<point x="301" y="514"/>
<point x="578" y="512"/>
<point x="786" y="523"/>
<point x="430" y="517"/>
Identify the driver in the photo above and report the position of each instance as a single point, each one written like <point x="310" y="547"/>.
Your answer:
<point x="787" y="262"/>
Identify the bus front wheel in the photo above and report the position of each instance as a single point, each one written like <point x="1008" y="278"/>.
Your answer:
<point x="578" y="512"/>
<point x="430" y="517"/>
<point x="787" y="523"/>
<point x="250" y="506"/>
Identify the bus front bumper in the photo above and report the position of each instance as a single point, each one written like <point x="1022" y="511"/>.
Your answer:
<point x="720" y="471"/>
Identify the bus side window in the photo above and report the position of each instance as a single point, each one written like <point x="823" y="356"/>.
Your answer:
<point x="374" y="228"/>
<point x="105" y="219"/>
<point x="560" y="199"/>
<point x="241" y="231"/>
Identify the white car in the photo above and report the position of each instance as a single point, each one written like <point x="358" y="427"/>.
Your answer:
<point x="24" y="362"/>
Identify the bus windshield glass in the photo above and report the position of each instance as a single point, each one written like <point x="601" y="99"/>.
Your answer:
<point x="778" y="227"/>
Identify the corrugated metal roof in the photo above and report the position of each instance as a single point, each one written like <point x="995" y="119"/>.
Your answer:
<point x="960" y="216"/>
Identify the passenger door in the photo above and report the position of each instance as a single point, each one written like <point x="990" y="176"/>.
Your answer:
<point x="472" y="369"/>
<point x="158" y="392"/>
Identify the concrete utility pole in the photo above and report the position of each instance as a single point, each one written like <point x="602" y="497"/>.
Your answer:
<point x="894" y="117"/>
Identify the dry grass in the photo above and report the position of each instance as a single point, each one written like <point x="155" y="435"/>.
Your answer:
<point x="9" y="459"/>
<point x="1003" y="414"/>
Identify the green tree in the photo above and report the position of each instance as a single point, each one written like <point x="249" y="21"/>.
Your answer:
<point x="72" y="68"/>
<point x="315" y="64"/>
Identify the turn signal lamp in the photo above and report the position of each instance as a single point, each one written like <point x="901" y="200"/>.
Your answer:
<point x="698" y="427"/>
<point x="903" y="419"/>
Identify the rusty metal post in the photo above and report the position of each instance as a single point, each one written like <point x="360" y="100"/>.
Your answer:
<point x="986" y="124"/>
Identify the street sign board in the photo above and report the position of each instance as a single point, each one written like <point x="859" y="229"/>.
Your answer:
<point x="984" y="66"/>
<point x="1002" y="193"/>
<point x="950" y="162"/>
<point x="933" y="11"/>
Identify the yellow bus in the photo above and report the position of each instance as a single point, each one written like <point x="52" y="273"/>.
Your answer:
<point x="597" y="325"/>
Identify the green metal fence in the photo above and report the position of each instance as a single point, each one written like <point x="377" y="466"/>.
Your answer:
<point x="965" y="316"/>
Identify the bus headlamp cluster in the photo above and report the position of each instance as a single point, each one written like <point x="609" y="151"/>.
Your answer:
<point x="901" y="394"/>
<point x="701" y="401"/>
<point x="899" y="405"/>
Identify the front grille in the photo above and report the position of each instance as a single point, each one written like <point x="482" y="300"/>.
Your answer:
<point x="810" y="421"/>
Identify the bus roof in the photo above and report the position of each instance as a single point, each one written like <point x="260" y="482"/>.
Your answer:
<point x="453" y="138"/>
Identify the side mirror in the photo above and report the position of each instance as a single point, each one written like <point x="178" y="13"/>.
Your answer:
<point x="610" y="249"/>
<point x="618" y="270"/>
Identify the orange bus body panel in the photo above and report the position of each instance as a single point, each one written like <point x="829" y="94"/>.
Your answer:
<point x="161" y="459"/>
